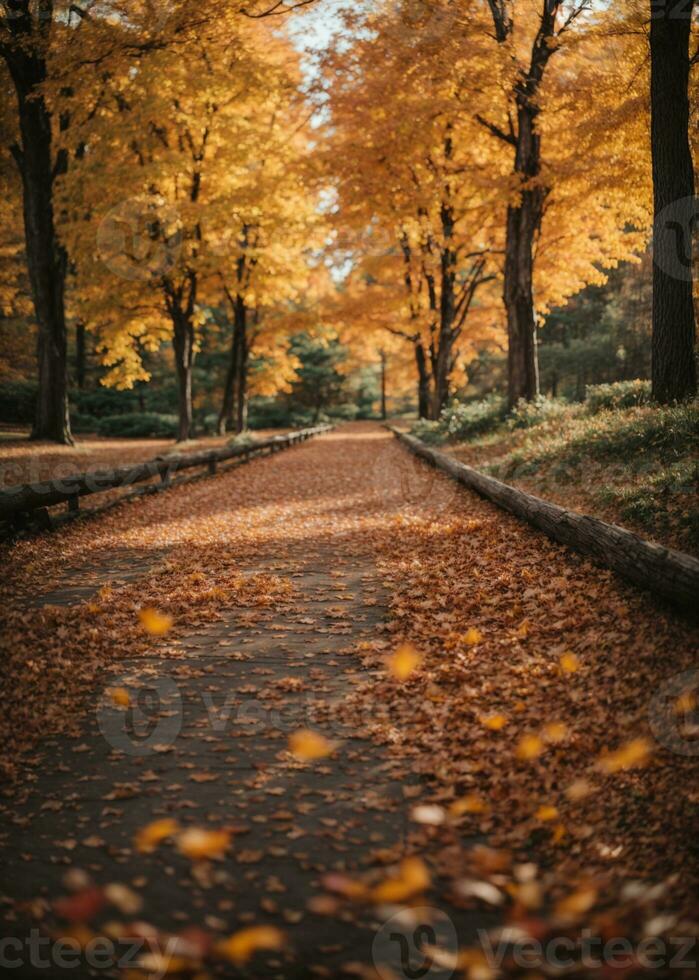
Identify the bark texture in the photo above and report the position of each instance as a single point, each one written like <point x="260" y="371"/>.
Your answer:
<point x="47" y="261"/>
<point x="674" y="375"/>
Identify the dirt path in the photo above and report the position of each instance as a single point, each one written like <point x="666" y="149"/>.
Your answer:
<point x="290" y="582"/>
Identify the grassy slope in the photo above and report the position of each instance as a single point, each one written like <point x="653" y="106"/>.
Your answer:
<point x="637" y="467"/>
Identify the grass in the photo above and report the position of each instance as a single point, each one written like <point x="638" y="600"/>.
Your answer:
<point x="636" y="466"/>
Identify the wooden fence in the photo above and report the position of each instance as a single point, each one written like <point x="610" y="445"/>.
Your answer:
<point x="665" y="572"/>
<point x="28" y="503"/>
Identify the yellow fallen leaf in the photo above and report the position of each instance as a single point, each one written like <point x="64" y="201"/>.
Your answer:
<point x="239" y="947"/>
<point x="148" y="837"/>
<point x="472" y="636"/>
<point x="494" y="722"/>
<point x="555" y="731"/>
<point x="686" y="702"/>
<point x="634" y="753"/>
<point x="404" y="661"/>
<point x="546" y="812"/>
<point x="161" y="964"/>
<point x="529" y="747"/>
<point x="576" y="904"/>
<point x="307" y="745"/>
<point x="559" y="832"/>
<point x="197" y="843"/>
<point x="120" y="697"/>
<point x="569" y="663"/>
<point x="154" y="622"/>
<point x="472" y="803"/>
<point x="412" y="878"/>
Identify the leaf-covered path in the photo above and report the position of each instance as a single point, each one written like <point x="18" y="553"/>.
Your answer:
<point x="518" y="761"/>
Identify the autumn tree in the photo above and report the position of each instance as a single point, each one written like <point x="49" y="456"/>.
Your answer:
<point x="414" y="188"/>
<point x="673" y="361"/>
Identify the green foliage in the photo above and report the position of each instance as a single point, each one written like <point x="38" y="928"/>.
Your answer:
<point x="319" y="383"/>
<point x="18" y="401"/>
<point x="525" y="414"/>
<point x="102" y="402"/>
<point x="79" y="422"/>
<point x="139" y="425"/>
<point x="619" y="394"/>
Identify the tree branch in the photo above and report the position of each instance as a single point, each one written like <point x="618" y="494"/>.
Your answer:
<point x="496" y="131"/>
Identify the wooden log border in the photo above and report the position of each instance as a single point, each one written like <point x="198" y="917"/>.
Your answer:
<point x="670" y="574"/>
<point x="26" y="502"/>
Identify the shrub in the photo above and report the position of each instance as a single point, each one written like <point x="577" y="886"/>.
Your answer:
<point x="344" y="413"/>
<point x="465" y="420"/>
<point x="139" y="425"/>
<point x="102" y="402"/>
<point x="428" y="431"/>
<point x="83" y="423"/>
<point x="268" y="413"/>
<point x="620" y="394"/>
<point x="525" y="414"/>
<point x="18" y="401"/>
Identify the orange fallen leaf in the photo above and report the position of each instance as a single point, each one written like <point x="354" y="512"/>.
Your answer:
<point x="239" y="947"/>
<point x="494" y="722"/>
<point x="569" y="662"/>
<point x="148" y="837"/>
<point x="120" y="697"/>
<point x="197" y="843"/>
<point x="529" y="747"/>
<point x="412" y="878"/>
<point x="307" y="745"/>
<point x="404" y="661"/>
<point x="634" y="753"/>
<point x="154" y="622"/>
<point x="471" y="803"/>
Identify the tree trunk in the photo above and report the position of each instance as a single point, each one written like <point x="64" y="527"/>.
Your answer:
<point x="442" y="360"/>
<point x="523" y="223"/>
<point x="384" y="411"/>
<point x="241" y="422"/>
<point x="46" y="258"/>
<point x="183" y="346"/>
<point x="423" y="381"/>
<point x="80" y="354"/>
<point x="225" y="416"/>
<point x="673" y="365"/>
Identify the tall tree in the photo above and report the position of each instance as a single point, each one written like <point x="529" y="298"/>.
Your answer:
<point x="673" y="364"/>
<point x="25" y="37"/>
<point x="525" y="212"/>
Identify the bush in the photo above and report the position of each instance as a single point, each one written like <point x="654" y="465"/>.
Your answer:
<point x="620" y="394"/>
<point x="268" y="413"/>
<point x="101" y="402"/>
<point x="428" y="431"/>
<point x="136" y="425"/>
<point x="525" y="414"/>
<point x="465" y="420"/>
<point x="83" y="423"/>
<point x="18" y="401"/>
<point x="344" y="413"/>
